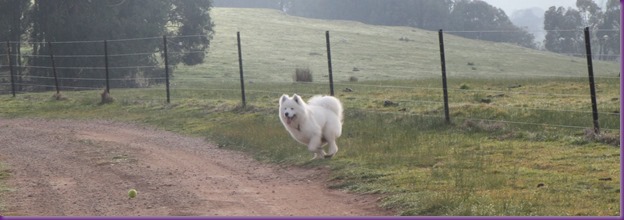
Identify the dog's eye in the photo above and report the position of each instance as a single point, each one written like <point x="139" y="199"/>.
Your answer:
<point x="292" y="108"/>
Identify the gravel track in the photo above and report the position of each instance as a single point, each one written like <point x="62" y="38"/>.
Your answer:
<point x="85" y="168"/>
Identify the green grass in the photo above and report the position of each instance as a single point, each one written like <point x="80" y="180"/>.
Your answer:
<point x="4" y="174"/>
<point x="420" y="164"/>
<point x="524" y="153"/>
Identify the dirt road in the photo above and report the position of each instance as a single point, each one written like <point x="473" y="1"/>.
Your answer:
<point x="85" y="168"/>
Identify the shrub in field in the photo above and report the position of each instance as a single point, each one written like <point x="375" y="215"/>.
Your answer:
<point x="59" y="96"/>
<point x="603" y="137"/>
<point x="303" y="75"/>
<point x="106" y="97"/>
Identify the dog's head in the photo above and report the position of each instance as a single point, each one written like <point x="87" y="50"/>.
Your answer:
<point x="290" y="108"/>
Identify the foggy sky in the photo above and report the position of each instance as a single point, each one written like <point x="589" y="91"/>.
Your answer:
<point x="509" y="6"/>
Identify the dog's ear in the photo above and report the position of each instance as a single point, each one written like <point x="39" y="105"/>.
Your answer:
<point x="297" y="98"/>
<point x="283" y="99"/>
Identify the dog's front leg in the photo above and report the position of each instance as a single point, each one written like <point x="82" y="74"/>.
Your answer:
<point x="315" y="147"/>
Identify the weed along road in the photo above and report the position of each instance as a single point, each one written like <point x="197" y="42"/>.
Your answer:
<point x="86" y="168"/>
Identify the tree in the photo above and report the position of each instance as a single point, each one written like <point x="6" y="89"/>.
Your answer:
<point x="608" y="31"/>
<point x="193" y="20"/>
<point x="91" y="22"/>
<point x="563" y="30"/>
<point x="590" y="13"/>
<point x="479" y="20"/>
<point x="13" y="23"/>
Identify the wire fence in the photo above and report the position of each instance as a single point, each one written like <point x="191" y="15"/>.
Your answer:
<point x="373" y="73"/>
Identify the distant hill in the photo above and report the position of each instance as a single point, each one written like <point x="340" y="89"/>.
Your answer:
<point x="274" y="44"/>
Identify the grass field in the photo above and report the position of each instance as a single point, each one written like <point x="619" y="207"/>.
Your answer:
<point x="519" y="143"/>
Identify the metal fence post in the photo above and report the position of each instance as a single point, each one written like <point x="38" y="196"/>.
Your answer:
<point x="240" y="68"/>
<point x="106" y="63"/>
<point x="8" y="46"/>
<point x="592" y="88"/>
<point x="56" y="84"/>
<point x="444" y="86"/>
<point x="166" y="69"/>
<point x="329" y="64"/>
<point x="19" y="77"/>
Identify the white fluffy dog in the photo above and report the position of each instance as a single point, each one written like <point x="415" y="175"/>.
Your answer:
<point x="314" y="124"/>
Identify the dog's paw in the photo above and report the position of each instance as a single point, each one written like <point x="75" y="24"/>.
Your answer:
<point x="319" y="156"/>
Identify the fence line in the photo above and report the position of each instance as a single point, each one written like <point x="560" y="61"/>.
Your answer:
<point x="411" y="101"/>
<point x="529" y="123"/>
<point x="100" y="41"/>
<point x="539" y="75"/>
<point x="544" y="52"/>
<point x="480" y="119"/>
<point x="453" y="73"/>
<point x="189" y="36"/>
<point x="92" y="79"/>
<point x="177" y="88"/>
<point x="342" y="84"/>
<point x="359" y="85"/>
<point x="382" y="112"/>
<point x="89" y="67"/>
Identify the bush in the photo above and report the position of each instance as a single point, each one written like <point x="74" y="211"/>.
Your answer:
<point x="303" y="75"/>
<point x="59" y="97"/>
<point x="106" y="97"/>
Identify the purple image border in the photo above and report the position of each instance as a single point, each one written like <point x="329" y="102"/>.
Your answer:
<point x="621" y="103"/>
<point x="393" y="217"/>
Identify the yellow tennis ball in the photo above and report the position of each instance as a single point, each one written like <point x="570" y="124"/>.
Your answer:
<point x="132" y="193"/>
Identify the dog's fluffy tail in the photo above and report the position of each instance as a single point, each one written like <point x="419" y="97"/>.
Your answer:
<point x="328" y="102"/>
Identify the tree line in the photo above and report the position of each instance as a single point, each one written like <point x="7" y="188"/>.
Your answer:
<point x="40" y="21"/>
<point x="562" y="25"/>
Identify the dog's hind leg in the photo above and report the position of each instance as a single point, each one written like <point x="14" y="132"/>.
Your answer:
<point x="333" y="148"/>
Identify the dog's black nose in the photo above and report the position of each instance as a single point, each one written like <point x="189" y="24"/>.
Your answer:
<point x="286" y="114"/>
